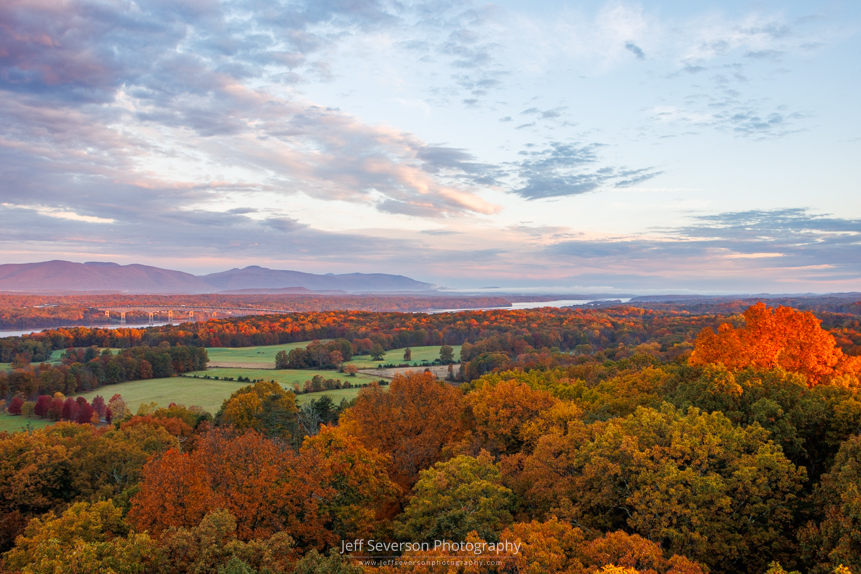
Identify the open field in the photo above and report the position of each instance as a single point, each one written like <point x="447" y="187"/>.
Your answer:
<point x="286" y="377"/>
<point x="12" y="423"/>
<point x="206" y="393"/>
<point x="251" y="357"/>
<point x="396" y="356"/>
<point x="440" y="371"/>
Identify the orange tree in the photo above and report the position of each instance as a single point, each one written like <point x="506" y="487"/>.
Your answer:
<point x="411" y="422"/>
<point x="781" y="337"/>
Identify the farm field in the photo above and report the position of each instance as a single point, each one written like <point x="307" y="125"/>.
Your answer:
<point x="286" y="377"/>
<point x="206" y="393"/>
<point x="396" y="356"/>
<point x="262" y="356"/>
<point x="12" y="423"/>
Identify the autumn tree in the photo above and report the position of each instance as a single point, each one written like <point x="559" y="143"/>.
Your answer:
<point x="28" y="409"/>
<point x="498" y="411"/>
<point x="411" y="422"/>
<point x="555" y="547"/>
<point x="211" y="545"/>
<point x="263" y="406"/>
<point x="15" y="405"/>
<point x="836" y="538"/>
<point x="85" y="412"/>
<point x="86" y="538"/>
<point x="174" y="491"/>
<point x="264" y="484"/>
<point x="810" y="424"/>
<point x="692" y="481"/>
<point x="43" y="404"/>
<point x="781" y="337"/>
<point x="408" y="354"/>
<point x="119" y="410"/>
<point x="456" y="497"/>
<point x="350" y="370"/>
<point x="357" y="478"/>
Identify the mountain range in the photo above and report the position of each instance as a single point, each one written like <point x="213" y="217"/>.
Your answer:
<point x="68" y="277"/>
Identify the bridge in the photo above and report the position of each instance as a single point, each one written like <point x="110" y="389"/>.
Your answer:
<point x="184" y="312"/>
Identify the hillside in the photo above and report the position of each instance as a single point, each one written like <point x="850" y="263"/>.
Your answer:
<point x="68" y="277"/>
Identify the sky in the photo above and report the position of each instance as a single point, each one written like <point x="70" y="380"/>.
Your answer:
<point x="660" y="146"/>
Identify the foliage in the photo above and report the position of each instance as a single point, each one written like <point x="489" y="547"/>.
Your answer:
<point x="692" y="481"/>
<point x="264" y="484"/>
<point x="411" y="423"/>
<point x="357" y="478"/>
<point x="499" y="410"/>
<point x="782" y="337"/>
<point x="453" y="498"/>
<point x="836" y="539"/>
<point x="87" y="539"/>
<point x="263" y="406"/>
<point x="213" y="546"/>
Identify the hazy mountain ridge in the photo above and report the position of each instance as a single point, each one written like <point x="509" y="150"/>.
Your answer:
<point x="64" y="276"/>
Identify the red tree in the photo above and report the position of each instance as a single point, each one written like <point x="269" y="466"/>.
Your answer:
<point x="43" y="404"/>
<point x="70" y="409"/>
<point x="56" y="409"/>
<point x="15" y="406"/>
<point x="99" y="405"/>
<point x="85" y="412"/>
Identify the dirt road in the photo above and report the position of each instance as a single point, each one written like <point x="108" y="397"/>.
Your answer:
<point x="441" y="371"/>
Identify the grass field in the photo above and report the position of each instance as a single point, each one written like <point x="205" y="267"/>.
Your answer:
<point x="396" y="356"/>
<point x="12" y="423"/>
<point x="206" y="393"/>
<point x="263" y="355"/>
<point x="286" y="377"/>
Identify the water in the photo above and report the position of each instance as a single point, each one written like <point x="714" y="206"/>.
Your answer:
<point x="535" y="305"/>
<point x="111" y="326"/>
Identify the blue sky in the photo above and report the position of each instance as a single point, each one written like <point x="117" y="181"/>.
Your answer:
<point x="654" y="146"/>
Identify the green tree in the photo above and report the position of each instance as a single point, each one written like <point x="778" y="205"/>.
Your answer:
<point x="377" y="352"/>
<point x="694" y="482"/>
<point x="456" y="497"/>
<point x="446" y="354"/>
<point x="836" y="538"/>
<point x="86" y="539"/>
<point x="264" y="406"/>
<point x="213" y="546"/>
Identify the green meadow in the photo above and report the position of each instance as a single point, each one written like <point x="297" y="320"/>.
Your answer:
<point x="206" y="393"/>
<point x="263" y="355"/>
<point x="396" y="356"/>
<point x="287" y="377"/>
<point x="13" y="423"/>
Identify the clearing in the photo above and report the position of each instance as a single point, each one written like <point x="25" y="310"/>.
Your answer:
<point x="251" y="357"/>
<point x="396" y="356"/>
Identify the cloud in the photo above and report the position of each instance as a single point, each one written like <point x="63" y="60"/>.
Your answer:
<point x="781" y="243"/>
<point x="567" y="169"/>
<point x="636" y="50"/>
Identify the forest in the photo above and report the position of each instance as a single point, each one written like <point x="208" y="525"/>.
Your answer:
<point x="605" y="440"/>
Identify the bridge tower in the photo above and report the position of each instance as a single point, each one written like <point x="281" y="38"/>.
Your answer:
<point x="150" y="323"/>
<point x="122" y="318"/>
<point x="170" y="316"/>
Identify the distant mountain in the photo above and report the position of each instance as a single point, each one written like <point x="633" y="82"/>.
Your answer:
<point x="255" y="277"/>
<point x="65" y="276"/>
<point x="68" y="277"/>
